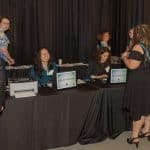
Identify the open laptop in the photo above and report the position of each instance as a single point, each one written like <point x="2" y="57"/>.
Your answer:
<point x="62" y="80"/>
<point x="118" y="75"/>
<point x="65" y="80"/>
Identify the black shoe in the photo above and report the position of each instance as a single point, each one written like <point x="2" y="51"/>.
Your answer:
<point x="131" y="141"/>
<point x="146" y="134"/>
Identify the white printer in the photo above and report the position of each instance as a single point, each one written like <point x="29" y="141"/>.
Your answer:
<point x="23" y="89"/>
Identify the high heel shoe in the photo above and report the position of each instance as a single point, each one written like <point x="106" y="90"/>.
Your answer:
<point x="131" y="141"/>
<point x="146" y="134"/>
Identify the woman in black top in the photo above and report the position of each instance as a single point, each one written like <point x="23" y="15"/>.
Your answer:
<point x="99" y="68"/>
<point x="137" y="93"/>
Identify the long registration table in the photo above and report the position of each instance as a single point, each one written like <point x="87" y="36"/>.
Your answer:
<point x="62" y="118"/>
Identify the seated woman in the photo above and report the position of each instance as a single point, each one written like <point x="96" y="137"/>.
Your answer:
<point x="44" y="68"/>
<point x="99" y="69"/>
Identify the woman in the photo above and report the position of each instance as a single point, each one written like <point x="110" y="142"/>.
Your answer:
<point x="44" y="68"/>
<point x="99" y="69"/>
<point x="4" y="41"/>
<point x="4" y="57"/>
<point x="137" y="93"/>
<point x="130" y="34"/>
<point x="102" y="41"/>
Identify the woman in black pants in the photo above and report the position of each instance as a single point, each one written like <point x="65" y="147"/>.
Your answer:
<point x="2" y="86"/>
<point x="4" y="57"/>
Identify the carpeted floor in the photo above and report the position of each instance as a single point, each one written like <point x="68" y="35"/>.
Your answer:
<point x="117" y="144"/>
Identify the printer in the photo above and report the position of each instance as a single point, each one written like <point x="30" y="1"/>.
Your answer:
<point x="23" y="89"/>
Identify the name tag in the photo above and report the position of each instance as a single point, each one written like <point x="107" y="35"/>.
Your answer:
<point x="51" y="72"/>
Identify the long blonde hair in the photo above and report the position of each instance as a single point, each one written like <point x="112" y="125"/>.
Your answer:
<point x="141" y="34"/>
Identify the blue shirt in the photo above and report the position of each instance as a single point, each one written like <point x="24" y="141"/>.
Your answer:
<point x="44" y="77"/>
<point x="4" y="41"/>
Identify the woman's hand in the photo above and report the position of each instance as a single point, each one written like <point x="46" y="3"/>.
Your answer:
<point x="1" y="108"/>
<point x="99" y="76"/>
<point x="11" y="61"/>
<point x="124" y="54"/>
<point x="103" y="76"/>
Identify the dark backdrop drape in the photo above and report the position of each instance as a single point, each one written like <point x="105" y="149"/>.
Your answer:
<point x="69" y="27"/>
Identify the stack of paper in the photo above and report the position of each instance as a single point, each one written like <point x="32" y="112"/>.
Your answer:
<point x="21" y="94"/>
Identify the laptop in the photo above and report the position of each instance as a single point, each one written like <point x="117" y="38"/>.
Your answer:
<point x="66" y="80"/>
<point x="118" y="75"/>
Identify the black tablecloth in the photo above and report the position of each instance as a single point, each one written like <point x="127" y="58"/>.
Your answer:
<point x="62" y="118"/>
<point x="105" y="117"/>
<point x="42" y="122"/>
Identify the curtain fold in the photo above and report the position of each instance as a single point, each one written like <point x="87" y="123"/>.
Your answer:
<point x="68" y="28"/>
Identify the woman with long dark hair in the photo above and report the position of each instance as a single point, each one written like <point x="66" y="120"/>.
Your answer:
<point x="99" y="68"/>
<point x="44" y="68"/>
<point x="137" y="93"/>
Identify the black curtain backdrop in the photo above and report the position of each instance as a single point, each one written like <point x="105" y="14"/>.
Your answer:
<point x="69" y="27"/>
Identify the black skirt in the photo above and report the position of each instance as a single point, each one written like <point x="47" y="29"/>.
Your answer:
<point x="137" y="94"/>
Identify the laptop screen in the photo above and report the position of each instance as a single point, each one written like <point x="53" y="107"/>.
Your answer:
<point x="66" y="80"/>
<point x="118" y="75"/>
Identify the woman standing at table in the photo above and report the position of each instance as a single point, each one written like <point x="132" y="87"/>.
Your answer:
<point x="4" y="57"/>
<point x="44" y="69"/>
<point x="137" y="93"/>
<point x="99" y="69"/>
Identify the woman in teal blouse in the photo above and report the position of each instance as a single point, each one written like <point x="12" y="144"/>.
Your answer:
<point x="44" y="68"/>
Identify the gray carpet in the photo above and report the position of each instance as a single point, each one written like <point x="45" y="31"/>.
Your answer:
<point x="117" y="144"/>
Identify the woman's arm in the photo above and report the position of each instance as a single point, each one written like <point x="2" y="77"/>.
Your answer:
<point x="34" y="76"/>
<point x="99" y="76"/>
<point x="130" y="63"/>
<point x="7" y="55"/>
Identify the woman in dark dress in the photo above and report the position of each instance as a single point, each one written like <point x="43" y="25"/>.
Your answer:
<point x="137" y="93"/>
<point x="99" y="69"/>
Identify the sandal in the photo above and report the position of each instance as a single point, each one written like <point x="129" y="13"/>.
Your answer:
<point x="131" y="141"/>
<point x="146" y="134"/>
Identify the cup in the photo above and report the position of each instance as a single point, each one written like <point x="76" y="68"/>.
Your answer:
<point x="60" y="61"/>
<point x="50" y="84"/>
